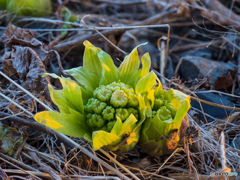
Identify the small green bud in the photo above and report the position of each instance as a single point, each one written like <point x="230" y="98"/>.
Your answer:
<point x="89" y="105"/>
<point x="99" y="121"/>
<point x="96" y="121"/>
<point x="110" y="125"/>
<point x="132" y="100"/>
<point x="96" y="91"/>
<point x="119" y="99"/>
<point x="164" y="114"/>
<point x="134" y="112"/>
<point x="90" y="123"/>
<point x="89" y="116"/>
<point x="170" y="107"/>
<point x="108" y="113"/>
<point x="104" y="95"/>
<point x="98" y="106"/>
<point x="126" y="88"/>
<point x="154" y="113"/>
<point x="157" y="104"/>
<point x="113" y="87"/>
<point x="122" y="113"/>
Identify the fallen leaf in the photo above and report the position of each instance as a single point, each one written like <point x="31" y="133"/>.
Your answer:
<point x="224" y="82"/>
<point x="25" y="57"/>
<point x="10" y="139"/>
<point x="231" y="117"/>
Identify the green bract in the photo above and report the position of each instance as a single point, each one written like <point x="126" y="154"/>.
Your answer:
<point x="160" y="131"/>
<point x="105" y="104"/>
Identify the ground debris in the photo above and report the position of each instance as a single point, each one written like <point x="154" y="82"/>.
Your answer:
<point x="10" y="139"/>
<point x="203" y="61"/>
<point x="25" y="57"/>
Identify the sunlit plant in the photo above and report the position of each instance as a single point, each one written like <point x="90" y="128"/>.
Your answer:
<point x="107" y="105"/>
<point x="104" y="104"/>
<point x="160" y="133"/>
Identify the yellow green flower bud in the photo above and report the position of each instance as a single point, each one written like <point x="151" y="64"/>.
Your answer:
<point x="157" y="104"/>
<point x="126" y="88"/>
<point x="119" y="99"/>
<point x="104" y="95"/>
<point x="108" y="113"/>
<point x="170" y="107"/>
<point x="96" y="121"/>
<point x="113" y="87"/>
<point x="133" y="111"/>
<point x="154" y="113"/>
<point x="95" y="93"/>
<point x="110" y="125"/>
<point x="164" y="114"/>
<point x="89" y="105"/>
<point x="98" y="106"/>
<point x="122" y="113"/>
<point x="132" y="100"/>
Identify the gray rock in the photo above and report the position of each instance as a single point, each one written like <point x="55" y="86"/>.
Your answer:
<point x="213" y="111"/>
<point x="205" y="53"/>
<point x="191" y="66"/>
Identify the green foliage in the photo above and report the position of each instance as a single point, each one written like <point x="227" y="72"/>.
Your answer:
<point x="37" y="8"/>
<point x="110" y="112"/>
<point x="110" y="102"/>
<point x="3" y="4"/>
<point x="160" y="131"/>
<point x="108" y="105"/>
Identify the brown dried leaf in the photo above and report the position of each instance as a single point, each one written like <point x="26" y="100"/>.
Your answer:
<point x="25" y="56"/>
<point x="230" y="118"/>
<point x="223" y="82"/>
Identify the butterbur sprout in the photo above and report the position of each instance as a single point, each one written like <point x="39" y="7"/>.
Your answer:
<point x="160" y="132"/>
<point x="104" y="103"/>
<point x="113" y="107"/>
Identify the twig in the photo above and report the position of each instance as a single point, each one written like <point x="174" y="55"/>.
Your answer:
<point x="149" y="173"/>
<point x="216" y="105"/>
<point x="163" y="60"/>
<point x="16" y="104"/>
<point x="18" y="167"/>
<point x="222" y="150"/>
<point x="114" y="30"/>
<point x="119" y="164"/>
<point x="14" y="171"/>
<point x="123" y="3"/>
<point x="186" y="149"/>
<point x="194" y="46"/>
<point x="24" y="90"/>
<point x="167" y="159"/>
<point x="219" y="92"/>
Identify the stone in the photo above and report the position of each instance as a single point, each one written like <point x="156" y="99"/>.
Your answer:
<point x="191" y="66"/>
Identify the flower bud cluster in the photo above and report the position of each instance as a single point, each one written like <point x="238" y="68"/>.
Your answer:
<point x="164" y="109"/>
<point x="108" y="102"/>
